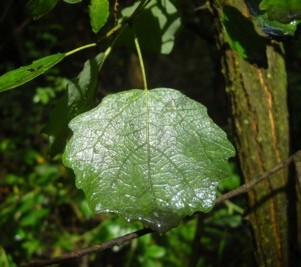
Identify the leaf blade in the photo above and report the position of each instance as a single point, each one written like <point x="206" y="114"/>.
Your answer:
<point x="39" y="8"/>
<point x="156" y="164"/>
<point x="99" y="13"/>
<point x="282" y="11"/>
<point x="273" y="28"/>
<point x="22" y="75"/>
<point x="72" y="1"/>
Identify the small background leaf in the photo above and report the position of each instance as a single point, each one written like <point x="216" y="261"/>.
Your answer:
<point x="72" y="1"/>
<point x="274" y="28"/>
<point x="39" y="8"/>
<point x="3" y="258"/>
<point x="153" y="156"/>
<point x="25" y="74"/>
<point x="282" y="11"/>
<point x="99" y="13"/>
<point x="80" y="97"/>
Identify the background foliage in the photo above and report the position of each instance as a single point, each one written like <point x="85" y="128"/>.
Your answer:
<point x="42" y="214"/>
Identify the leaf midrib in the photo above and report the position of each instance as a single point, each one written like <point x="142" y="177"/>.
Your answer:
<point x="148" y="147"/>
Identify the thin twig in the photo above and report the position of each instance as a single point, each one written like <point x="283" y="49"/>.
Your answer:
<point x="89" y="250"/>
<point x="247" y="186"/>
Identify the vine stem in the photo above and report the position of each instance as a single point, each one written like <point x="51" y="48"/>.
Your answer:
<point x="140" y="61"/>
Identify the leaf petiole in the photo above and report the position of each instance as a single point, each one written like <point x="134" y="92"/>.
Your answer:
<point x="140" y="61"/>
<point x="80" y="48"/>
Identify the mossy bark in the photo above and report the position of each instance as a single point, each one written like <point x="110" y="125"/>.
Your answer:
<point x="258" y="103"/>
<point x="260" y="118"/>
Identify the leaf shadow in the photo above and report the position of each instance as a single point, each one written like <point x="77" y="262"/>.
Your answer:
<point x="147" y="29"/>
<point x="241" y="32"/>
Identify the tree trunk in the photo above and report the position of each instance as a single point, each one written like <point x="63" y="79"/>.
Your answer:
<point x="260" y="118"/>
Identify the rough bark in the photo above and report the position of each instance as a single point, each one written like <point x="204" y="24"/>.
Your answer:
<point x="260" y="118"/>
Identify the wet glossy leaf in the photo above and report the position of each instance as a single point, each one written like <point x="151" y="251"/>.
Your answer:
<point x="25" y="74"/>
<point x="153" y="156"/>
<point x="282" y="11"/>
<point x="99" y="13"/>
<point x="80" y="97"/>
<point x="39" y="8"/>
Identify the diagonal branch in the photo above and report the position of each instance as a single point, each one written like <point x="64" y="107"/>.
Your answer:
<point x="129" y="237"/>
<point x="247" y="186"/>
<point x="89" y="250"/>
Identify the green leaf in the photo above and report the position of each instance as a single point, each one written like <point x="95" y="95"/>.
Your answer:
<point x="282" y="11"/>
<point x="155" y="251"/>
<point x="99" y="13"/>
<point x="276" y="29"/>
<point x="242" y="37"/>
<point x="3" y="258"/>
<point x="80" y="97"/>
<point x="72" y="1"/>
<point x="25" y="74"/>
<point x="232" y="181"/>
<point x="153" y="156"/>
<point x="272" y="28"/>
<point x="39" y="8"/>
<point x="155" y="26"/>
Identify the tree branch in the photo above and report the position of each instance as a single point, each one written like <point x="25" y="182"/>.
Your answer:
<point x="247" y="186"/>
<point x="89" y="250"/>
<point x="126" y="238"/>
